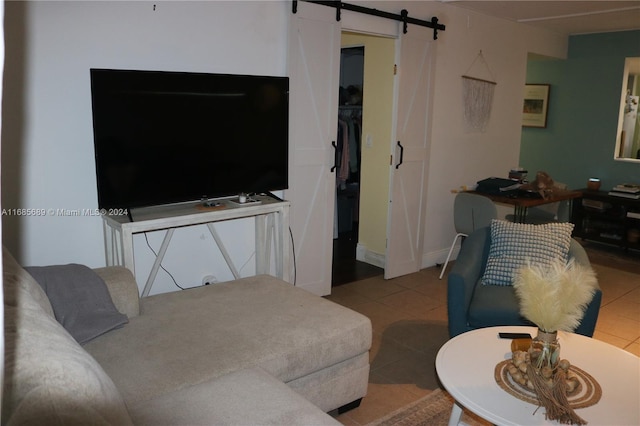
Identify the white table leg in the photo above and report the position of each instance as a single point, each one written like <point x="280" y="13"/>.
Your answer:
<point x="109" y="244"/>
<point x="284" y="243"/>
<point x="262" y="266"/>
<point x="267" y="247"/>
<point x="456" y="414"/>
<point x="126" y="243"/>
<point x="223" y="250"/>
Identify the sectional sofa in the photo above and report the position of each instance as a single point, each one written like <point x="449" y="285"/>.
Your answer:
<point x="251" y="351"/>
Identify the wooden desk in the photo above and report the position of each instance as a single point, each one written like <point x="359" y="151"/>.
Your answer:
<point x="521" y="204"/>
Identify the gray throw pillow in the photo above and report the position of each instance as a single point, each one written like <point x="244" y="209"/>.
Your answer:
<point x="80" y="299"/>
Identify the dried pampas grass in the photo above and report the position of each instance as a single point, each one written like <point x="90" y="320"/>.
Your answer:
<point x="556" y="297"/>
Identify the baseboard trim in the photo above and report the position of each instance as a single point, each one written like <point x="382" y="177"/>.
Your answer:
<point x="429" y="259"/>
<point x="318" y="288"/>
<point x="437" y="257"/>
<point x="370" y="257"/>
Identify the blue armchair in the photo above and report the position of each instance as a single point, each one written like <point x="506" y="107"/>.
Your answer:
<point x="472" y="305"/>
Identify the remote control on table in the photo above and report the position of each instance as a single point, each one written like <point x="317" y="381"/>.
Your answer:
<point x="514" y="335"/>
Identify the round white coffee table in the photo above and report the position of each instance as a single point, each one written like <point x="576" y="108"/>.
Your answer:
<point x="466" y="365"/>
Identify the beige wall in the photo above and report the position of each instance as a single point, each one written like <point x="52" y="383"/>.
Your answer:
<point x="376" y="138"/>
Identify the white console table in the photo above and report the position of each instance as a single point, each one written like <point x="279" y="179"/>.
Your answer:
<point x="271" y="226"/>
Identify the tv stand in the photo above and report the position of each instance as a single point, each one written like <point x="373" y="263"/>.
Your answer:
<point x="271" y="226"/>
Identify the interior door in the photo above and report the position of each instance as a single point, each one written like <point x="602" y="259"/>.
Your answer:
<point x="314" y="61"/>
<point x="405" y="229"/>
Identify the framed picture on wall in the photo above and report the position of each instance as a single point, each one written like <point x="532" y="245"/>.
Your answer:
<point x="536" y="105"/>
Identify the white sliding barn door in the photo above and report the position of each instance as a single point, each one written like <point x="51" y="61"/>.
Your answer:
<point x="405" y="230"/>
<point x="314" y="67"/>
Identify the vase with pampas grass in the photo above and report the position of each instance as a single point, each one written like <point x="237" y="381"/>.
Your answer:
<point x="554" y="298"/>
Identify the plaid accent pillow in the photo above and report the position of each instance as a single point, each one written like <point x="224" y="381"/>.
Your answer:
<point x="514" y="245"/>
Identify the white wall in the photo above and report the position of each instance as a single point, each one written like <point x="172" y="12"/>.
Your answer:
<point x="457" y="157"/>
<point x="54" y="143"/>
<point x="47" y="137"/>
<point x="461" y="158"/>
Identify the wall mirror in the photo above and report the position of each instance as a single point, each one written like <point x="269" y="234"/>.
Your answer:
<point x="628" y="136"/>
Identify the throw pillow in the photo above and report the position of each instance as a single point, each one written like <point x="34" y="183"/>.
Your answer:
<point x="514" y="245"/>
<point x="80" y="299"/>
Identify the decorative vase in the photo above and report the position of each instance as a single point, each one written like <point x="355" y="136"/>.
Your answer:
<point x="545" y="350"/>
<point x="593" y="184"/>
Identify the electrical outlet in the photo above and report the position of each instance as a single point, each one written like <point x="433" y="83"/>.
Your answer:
<point x="209" y="279"/>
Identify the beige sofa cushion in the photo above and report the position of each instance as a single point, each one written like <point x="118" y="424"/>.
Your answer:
<point x="196" y="335"/>
<point x="245" y="397"/>
<point x="17" y="277"/>
<point x="48" y="377"/>
<point x="122" y="288"/>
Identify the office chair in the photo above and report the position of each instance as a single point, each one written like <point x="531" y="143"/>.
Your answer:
<point x="470" y="212"/>
<point x="548" y="213"/>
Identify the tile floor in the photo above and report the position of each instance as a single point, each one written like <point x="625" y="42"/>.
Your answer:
<point x="409" y="318"/>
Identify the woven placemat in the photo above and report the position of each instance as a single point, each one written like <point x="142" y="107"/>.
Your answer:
<point x="587" y="393"/>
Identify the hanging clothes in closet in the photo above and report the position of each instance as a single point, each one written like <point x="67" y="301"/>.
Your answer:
<point x="348" y="146"/>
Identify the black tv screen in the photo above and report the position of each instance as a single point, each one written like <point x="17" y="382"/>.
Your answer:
<point x="168" y="137"/>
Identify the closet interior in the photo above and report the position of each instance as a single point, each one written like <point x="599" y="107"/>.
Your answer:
<point x="349" y="136"/>
<point x="348" y="166"/>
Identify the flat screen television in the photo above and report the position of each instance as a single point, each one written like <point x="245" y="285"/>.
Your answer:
<point x="169" y="137"/>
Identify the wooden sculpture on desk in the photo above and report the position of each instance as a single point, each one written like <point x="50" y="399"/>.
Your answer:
<point x="543" y="184"/>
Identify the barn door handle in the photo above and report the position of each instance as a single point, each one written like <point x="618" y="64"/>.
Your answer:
<point x="335" y="156"/>
<point x="401" y="154"/>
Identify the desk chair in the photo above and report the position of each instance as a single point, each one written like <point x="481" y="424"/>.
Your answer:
<point x="547" y="213"/>
<point x="470" y="212"/>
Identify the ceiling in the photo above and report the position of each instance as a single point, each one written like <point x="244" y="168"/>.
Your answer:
<point x="566" y="17"/>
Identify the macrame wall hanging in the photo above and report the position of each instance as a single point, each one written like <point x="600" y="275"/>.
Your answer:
<point x="477" y="98"/>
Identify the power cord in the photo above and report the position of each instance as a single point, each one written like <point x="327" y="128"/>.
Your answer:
<point x="293" y="249"/>
<point x="247" y="262"/>
<point x="163" y="268"/>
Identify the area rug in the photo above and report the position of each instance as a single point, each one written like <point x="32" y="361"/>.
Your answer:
<point x="431" y="410"/>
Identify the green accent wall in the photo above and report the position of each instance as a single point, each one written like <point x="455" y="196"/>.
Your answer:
<point x="580" y="136"/>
